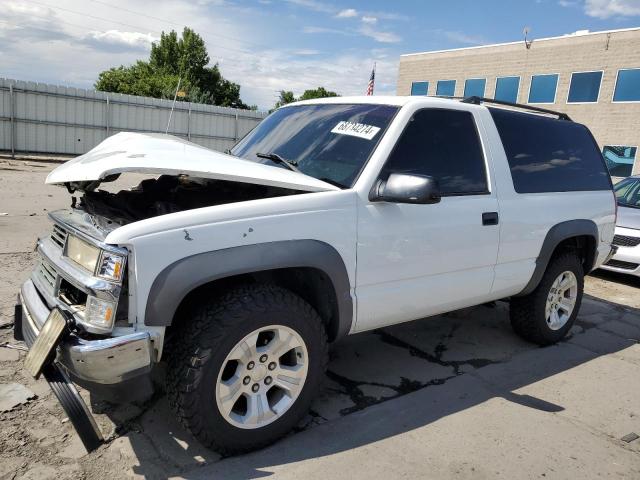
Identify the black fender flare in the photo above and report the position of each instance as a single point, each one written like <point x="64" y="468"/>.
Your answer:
<point x="177" y="280"/>
<point x="555" y="235"/>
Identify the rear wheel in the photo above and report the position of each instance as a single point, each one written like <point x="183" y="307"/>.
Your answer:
<point x="548" y="313"/>
<point x="244" y="370"/>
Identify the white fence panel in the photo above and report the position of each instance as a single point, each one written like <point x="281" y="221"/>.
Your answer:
<point x="42" y="118"/>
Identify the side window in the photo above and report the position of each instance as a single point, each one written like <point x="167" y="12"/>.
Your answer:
<point x="549" y="155"/>
<point x="443" y="144"/>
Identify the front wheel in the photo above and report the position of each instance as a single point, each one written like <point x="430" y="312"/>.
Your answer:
<point x="548" y="313"/>
<point x="245" y="369"/>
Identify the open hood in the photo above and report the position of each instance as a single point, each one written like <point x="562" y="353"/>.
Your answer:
<point x="156" y="153"/>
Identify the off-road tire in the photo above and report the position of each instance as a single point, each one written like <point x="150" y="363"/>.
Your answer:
<point x="205" y="339"/>
<point x="527" y="313"/>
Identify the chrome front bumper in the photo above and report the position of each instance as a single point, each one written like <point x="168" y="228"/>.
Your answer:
<point x="94" y="364"/>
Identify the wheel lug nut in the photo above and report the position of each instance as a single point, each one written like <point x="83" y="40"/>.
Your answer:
<point x="272" y="366"/>
<point x="255" y="387"/>
<point x="246" y="380"/>
<point x="263" y="358"/>
<point x="267" y="381"/>
<point x="250" y="365"/>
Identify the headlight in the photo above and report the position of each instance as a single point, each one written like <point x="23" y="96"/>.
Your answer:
<point x="111" y="266"/>
<point x="99" y="313"/>
<point x="82" y="253"/>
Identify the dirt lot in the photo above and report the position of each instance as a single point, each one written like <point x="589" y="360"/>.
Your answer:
<point x="453" y="396"/>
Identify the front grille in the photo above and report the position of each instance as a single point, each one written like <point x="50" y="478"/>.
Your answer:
<point x="59" y="235"/>
<point x="626" y="241"/>
<point x="48" y="276"/>
<point x="622" y="265"/>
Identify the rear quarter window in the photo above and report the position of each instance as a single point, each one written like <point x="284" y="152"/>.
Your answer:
<point x="550" y="155"/>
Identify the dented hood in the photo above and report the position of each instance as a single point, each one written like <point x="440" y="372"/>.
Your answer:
<point x="156" y="153"/>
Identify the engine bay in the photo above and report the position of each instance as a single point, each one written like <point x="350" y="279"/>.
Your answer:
<point x="169" y="194"/>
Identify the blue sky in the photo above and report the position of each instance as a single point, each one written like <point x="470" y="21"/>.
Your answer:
<point x="270" y="45"/>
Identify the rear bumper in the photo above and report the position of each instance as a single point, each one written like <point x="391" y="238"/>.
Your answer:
<point x="117" y="368"/>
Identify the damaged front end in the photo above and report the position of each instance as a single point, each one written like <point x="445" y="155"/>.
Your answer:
<point x="86" y="279"/>
<point x="82" y="277"/>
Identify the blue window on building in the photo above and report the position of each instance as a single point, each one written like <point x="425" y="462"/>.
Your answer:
<point x="474" y="87"/>
<point x="507" y="89"/>
<point x="585" y="87"/>
<point x="543" y="88"/>
<point x="619" y="159"/>
<point x="419" y="88"/>
<point x="446" y="88"/>
<point x="627" y="86"/>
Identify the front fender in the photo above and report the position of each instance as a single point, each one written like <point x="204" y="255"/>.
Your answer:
<point x="173" y="283"/>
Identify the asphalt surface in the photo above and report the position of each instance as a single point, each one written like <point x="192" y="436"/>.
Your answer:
<point x="453" y="396"/>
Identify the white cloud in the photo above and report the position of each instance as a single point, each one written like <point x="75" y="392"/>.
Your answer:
<point x="346" y="74"/>
<point x="378" y="36"/>
<point x="312" y="29"/>
<point x="306" y="52"/>
<point x="347" y="13"/>
<point x="388" y="16"/>
<point x="313" y="5"/>
<point x="568" y="3"/>
<point x="72" y="48"/>
<point x="464" y="38"/>
<point x="371" y="20"/>
<point x="136" y="40"/>
<point x="612" y="8"/>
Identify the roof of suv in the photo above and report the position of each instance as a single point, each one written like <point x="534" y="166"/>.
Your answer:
<point x="376" y="99"/>
<point x="436" y="101"/>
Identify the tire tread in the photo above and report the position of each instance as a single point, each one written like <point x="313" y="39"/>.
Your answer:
<point x="525" y="312"/>
<point x="197" y="339"/>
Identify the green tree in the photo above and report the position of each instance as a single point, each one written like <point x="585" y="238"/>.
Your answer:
<point x="319" y="92"/>
<point x="286" y="96"/>
<point x="174" y="58"/>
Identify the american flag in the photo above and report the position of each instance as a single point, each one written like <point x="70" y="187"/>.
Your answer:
<point x="372" y="81"/>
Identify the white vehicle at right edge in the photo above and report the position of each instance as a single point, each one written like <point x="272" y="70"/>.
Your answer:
<point x="627" y="238"/>
<point x="235" y="272"/>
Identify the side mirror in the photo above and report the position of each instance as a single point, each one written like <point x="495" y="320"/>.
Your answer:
<point x="402" y="188"/>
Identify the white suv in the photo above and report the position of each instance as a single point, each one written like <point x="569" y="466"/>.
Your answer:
<point x="330" y="218"/>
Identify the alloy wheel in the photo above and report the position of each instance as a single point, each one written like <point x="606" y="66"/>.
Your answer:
<point x="561" y="300"/>
<point x="262" y="377"/>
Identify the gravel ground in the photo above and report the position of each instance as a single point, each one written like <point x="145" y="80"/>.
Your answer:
<point x="387" y="396"/>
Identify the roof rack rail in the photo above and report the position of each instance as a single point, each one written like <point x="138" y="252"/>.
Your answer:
<point x="478" y="100"/>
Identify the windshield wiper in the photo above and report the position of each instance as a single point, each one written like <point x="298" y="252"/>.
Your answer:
<point x="274" y="157"/>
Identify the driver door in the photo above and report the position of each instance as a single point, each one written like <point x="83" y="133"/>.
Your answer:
<point x="421" y="260"/>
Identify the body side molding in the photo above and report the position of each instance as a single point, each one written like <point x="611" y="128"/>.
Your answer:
<point x="555" y="235"/>
<point x="178" y="279"/>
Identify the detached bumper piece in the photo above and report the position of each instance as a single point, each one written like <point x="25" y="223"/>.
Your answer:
<point x="66" y="393"/>
<point x="116" y="368"/>
<point x="74" y="407"/>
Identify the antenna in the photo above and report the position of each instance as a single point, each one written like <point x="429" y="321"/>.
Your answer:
<point x="173" y="105"/>
<point x="527" y="42"/>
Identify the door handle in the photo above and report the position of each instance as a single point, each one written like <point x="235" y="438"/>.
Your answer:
<point x="490" y="218"/>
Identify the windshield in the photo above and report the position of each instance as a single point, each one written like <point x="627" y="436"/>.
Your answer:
<point x="628" y="192"/>
<point x="331" y="142"/>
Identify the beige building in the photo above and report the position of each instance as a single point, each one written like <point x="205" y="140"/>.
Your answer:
<point x="594" y="77"/>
